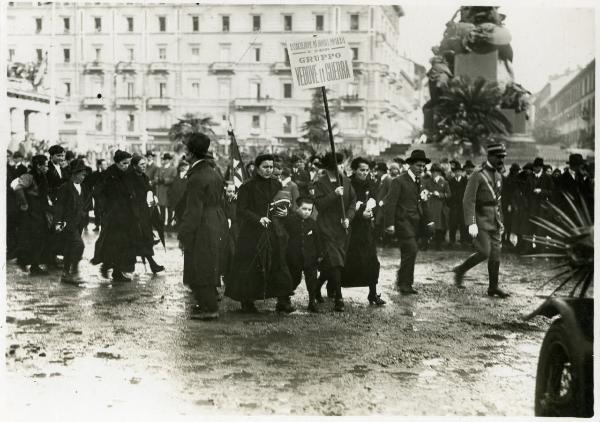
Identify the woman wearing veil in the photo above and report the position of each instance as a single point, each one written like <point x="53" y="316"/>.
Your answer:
<point x="260" y="270"/>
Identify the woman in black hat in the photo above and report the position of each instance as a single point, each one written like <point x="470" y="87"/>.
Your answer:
<point x="143" y="205"/>
<point x="260" y="270"/>
<point x="333" y="221"/>
<point x="362" y="266"/>
<point x="115" y="247"/>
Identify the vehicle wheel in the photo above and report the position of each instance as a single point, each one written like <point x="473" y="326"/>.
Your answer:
<point x="560" y="382"/>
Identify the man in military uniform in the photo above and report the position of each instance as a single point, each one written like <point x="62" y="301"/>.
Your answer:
<point x="483" y="217"/>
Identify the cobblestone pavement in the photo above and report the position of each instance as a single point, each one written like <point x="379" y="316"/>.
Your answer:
<point x="131" y="348"/>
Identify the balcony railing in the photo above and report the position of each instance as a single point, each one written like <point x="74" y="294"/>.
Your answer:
<point x="93" y="102"/>
<point x="159" y="67"/>
<point x="126" y="67"/>
<point x="94" y="67"/>
<point x="281" y="67"/>
<point x="159" y="102"/>
<point x="128" y="102"/>
<point x="352" y="102"/>
<point x="222" y="67"/>
<point x="265" y="104"/>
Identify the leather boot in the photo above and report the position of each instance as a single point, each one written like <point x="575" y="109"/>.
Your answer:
<point x="339" y="301"/>
<point x="284" y="305"/>
<point x="154" y="267"/>
<point x="494" y="272"/>
<point x="460" y="270"/>
<point x="119" y="276"/>
<point x="312" y="304"/>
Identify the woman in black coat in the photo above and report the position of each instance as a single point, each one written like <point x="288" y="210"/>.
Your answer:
<point x="362" y="266"/>
<point x="31" y="192"/>
<point x="332" y="223"/>
<point x="115" y="247"/>
<point x="202" y="227"/>
<point x="143" y="203"/>
<point x="261" y="270"/>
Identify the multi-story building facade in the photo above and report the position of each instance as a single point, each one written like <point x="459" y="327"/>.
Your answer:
<point x="126" y="72"/>
<point x="571" y="107"/>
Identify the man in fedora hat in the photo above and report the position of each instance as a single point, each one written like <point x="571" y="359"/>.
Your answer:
<point x="70" y="212"/>
<point x="405" y="213"/>
<point x="573" y="181"/>
<point x="469" y="167"/>
<point x="458" y="184"/>
<point x="483" y="217"/>
<point x="540" y="190"/>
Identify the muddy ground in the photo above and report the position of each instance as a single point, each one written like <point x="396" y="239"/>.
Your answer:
<point x="131" y="348"/>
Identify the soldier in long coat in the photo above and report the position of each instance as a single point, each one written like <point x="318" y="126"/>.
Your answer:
<point x="260" y="270"/>
<point x="333" y="224"/>
<point x="483" y="216"/>
<point x="203" y="227"/>
<point x="115" y="247"/>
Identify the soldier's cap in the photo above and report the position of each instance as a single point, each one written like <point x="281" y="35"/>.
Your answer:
<point x="496" y="149"/>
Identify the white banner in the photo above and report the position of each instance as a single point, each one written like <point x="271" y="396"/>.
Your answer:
<point x="320" y="61"/>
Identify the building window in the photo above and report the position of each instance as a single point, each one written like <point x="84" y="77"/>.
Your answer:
<point x="38" y="53"/>
<point x="66" y="55"/>
<point x="224" y="89"/>
<point x="130" y="123"/>
<point x="130" y="54"/>
<point x="225" y="23"/>
<point x="66" y="25"/>
<point x="255" y="90"/>
<point x="11" y="54"/>
<point x="256" y="23"/>
<point x="287" y="90"/>
<point x="162" y="23"/>
<point x="354" y="53"/>
<point x="38" y="25"/>
<point x="162" y="53"/>
<point x="98" y="24"/>
<point x="98" y="122"/>
<point x="98" y="54"/>
<point x="195" y="24"/>
<point x="354" y="22"/>
<point x="286" y="56"/>
<point x="130" y="90"/>
<point x="257" y="54"/>
<point x="287" y="22"/>
<point x="67" y="116"/>
<point x="129" y="24"/>
<point x="196" y="88"/>
<point x="287" y="124"/>
<point x="255" y="121"/>
<point x="196" y="52"/>
<point x="319" y="22"/>
<point x="162" y="89"/>
<point x="67" y="87"/>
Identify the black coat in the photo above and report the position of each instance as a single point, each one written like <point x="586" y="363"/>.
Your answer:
<point x="576" y="187"/>
<point x="261" y="269"/>
<point x="334" y="237"/>
<point x="362" y="266"/>
<point x="302" y="179"/>
<point x="203" y="227"/>
<point x="55" y="180"/>
<point x="455" y="203"/>
<point x="144" y="238"/>
<point x="404" y="208"/>
<point x="71" y="207"/>
<point x="120" y="228"/>
<point x="303" y="249"/>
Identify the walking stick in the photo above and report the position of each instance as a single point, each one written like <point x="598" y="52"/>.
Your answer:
<point x="332" y="145"/>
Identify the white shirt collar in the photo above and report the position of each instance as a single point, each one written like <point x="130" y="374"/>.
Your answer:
<point x="77" y="187"/>
<point x="58" y="169"/>
<point x="412" y="175"/>
<point x="573" y="174"/>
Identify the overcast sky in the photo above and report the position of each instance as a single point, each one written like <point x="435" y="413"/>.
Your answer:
<point x="546" y="39"/>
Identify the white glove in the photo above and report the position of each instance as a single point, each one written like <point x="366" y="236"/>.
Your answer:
<point x="264" y="221"/>
<point x="513" y="239"/>
<point x="149" y="198"/>
<point x="473" y="230"/>
<point x="371" y="204"/>
<point x="358" y="205"/>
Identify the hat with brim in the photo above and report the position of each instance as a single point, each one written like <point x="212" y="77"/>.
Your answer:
<point x="167" y="156"/>
<point x="469" y="165"/>
<point x="77" y="166"/>
<point x="575" y="160"/>
<point x="417" y="155"/>
<point x="538" y="162"/>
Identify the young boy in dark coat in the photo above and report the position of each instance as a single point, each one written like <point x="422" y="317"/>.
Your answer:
<point x="73" y="199"/>
<point x="303" y="251"/>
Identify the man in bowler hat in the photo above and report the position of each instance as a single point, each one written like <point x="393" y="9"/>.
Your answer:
<point x="483" y="217"/>
<point x="406" y="213"/>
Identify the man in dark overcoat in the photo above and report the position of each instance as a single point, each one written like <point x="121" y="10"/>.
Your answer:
<point x="57" y="172"/>
<point x="572" y="181"/>
<point x="70" y="212"/>
<point x="540" y="191"/>
<point x="203" y="227"/>
<point x="483" y="216"/>
<point x="406" y="215"/>
<point x="458" y="184"/>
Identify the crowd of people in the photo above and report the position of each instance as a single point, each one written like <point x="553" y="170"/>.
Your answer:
<point x="321" y="218"/>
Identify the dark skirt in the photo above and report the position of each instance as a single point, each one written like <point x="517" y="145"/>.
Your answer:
<point x="362" y="266"/>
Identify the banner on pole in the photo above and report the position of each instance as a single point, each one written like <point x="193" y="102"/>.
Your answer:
<point x="320" y="61"/>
